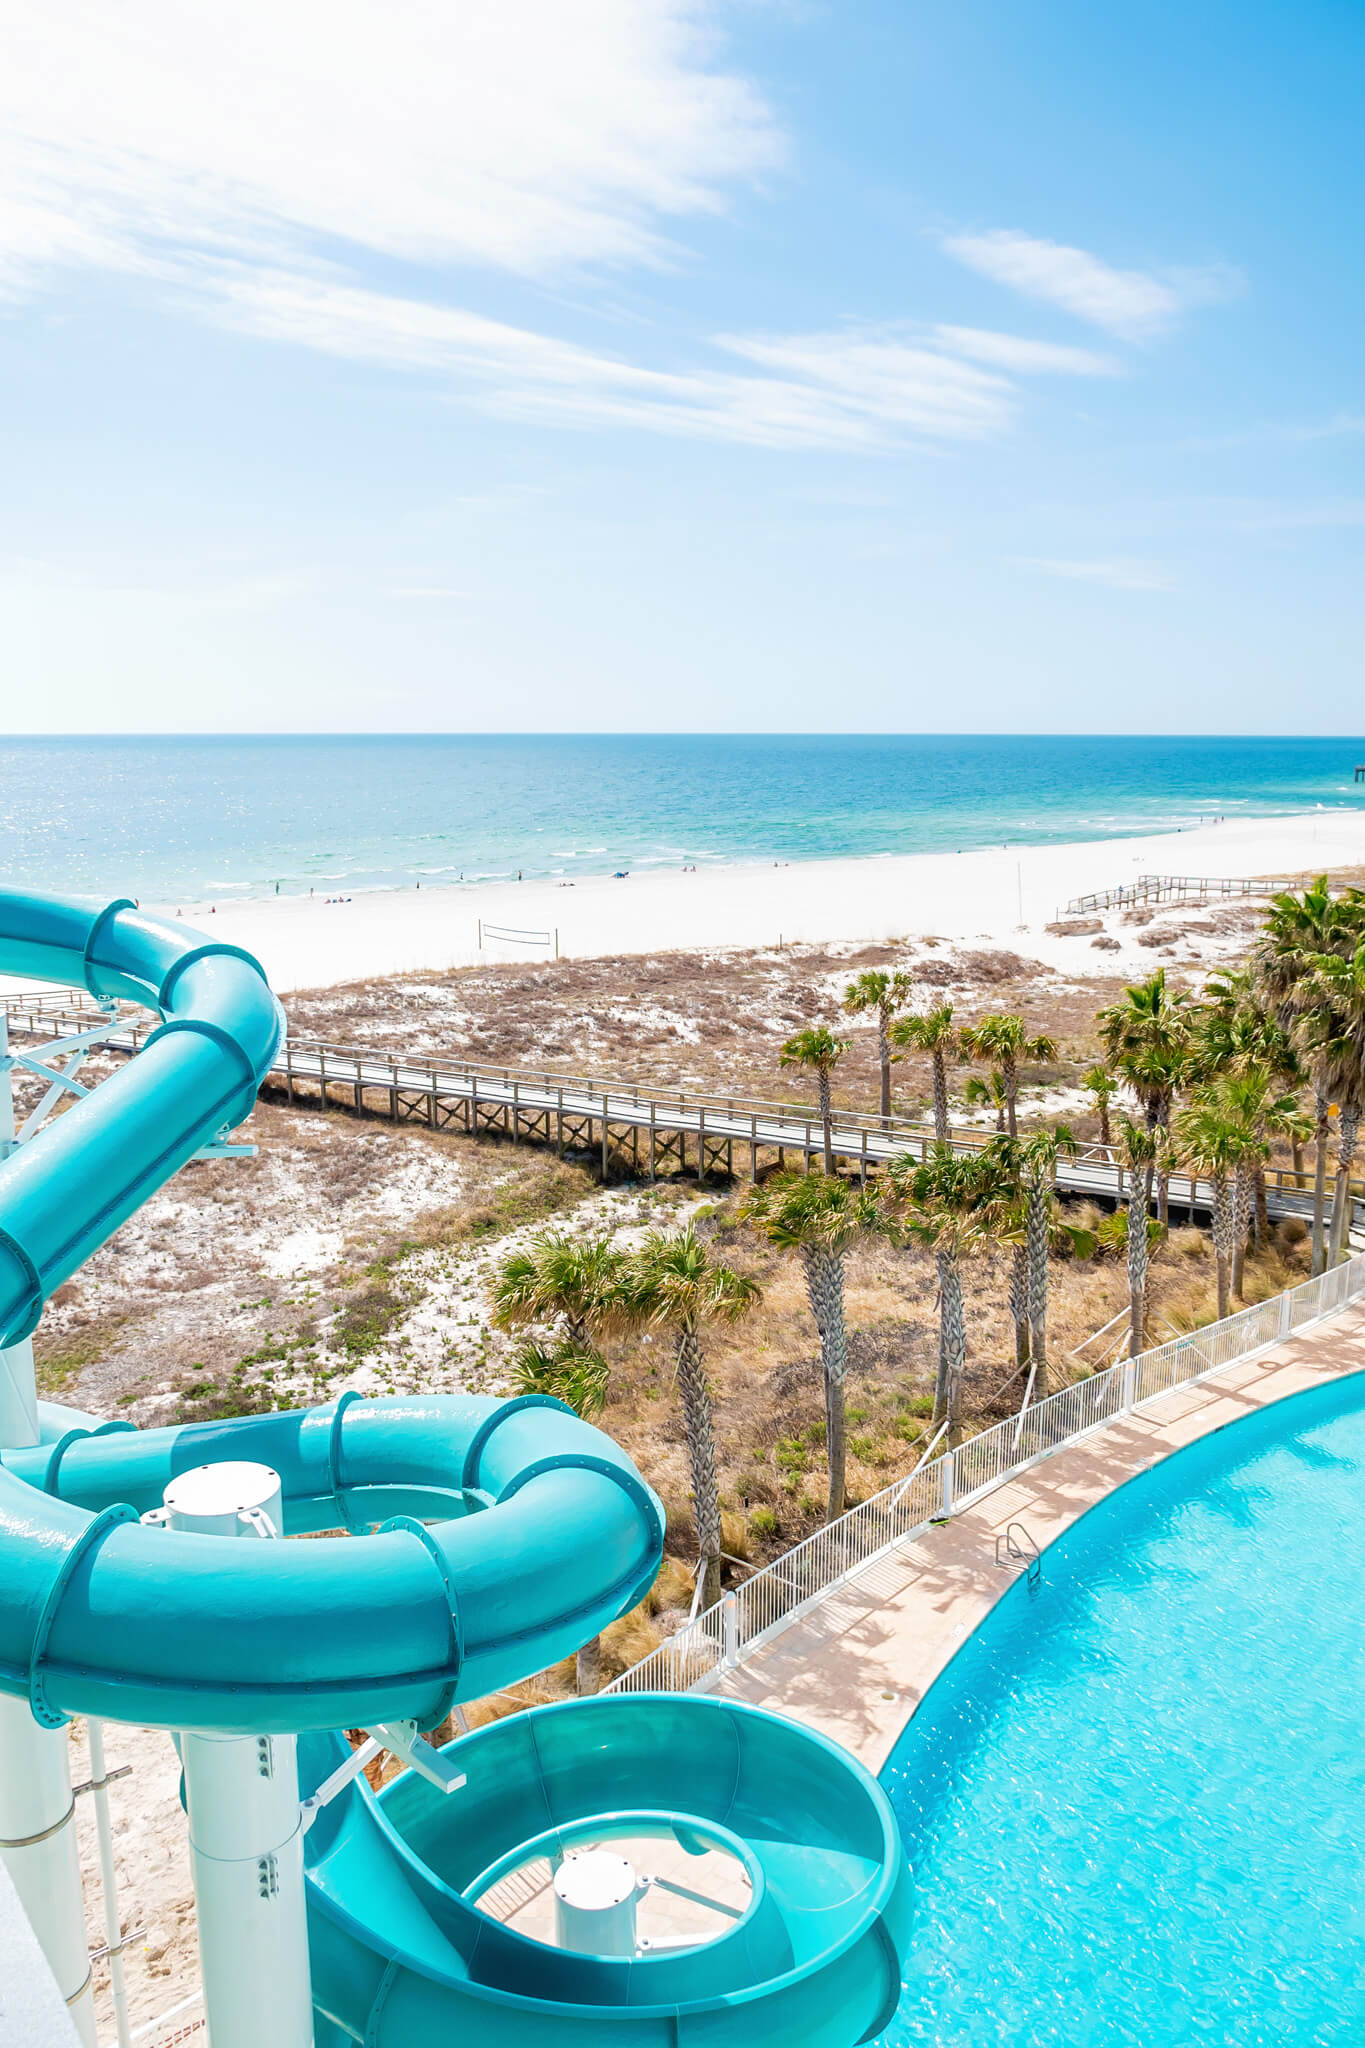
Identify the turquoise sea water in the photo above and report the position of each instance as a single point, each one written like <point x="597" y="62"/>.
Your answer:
<point x="195" y="818"/>
<point x="1135" y="1801"/>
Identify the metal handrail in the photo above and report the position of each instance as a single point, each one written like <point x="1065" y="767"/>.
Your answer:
<point x="322" y="1061"/>
<point x="1181" y="888"/>
<point x="798" y="1581"/>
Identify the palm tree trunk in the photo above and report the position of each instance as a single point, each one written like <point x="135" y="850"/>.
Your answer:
<point x="1163" y="1179"/>
<point x="1104" y="1123"/>
<point x="1322" y="1136"/>
<point x="1019" y="1302"/>
<point x="827" y="1119"/>
<point x="953" y="1349"/>
<point x="1241" y="1224"/>
<point x="1260" y="1212"/>
<point x="884" y="1055"/>
<point x="1296" y="1154"/>
<point x="1138" y="1205"/>
<point x="1223" y="1232"/>
<point x="940" y="1096"/>
<point x="1037" y="1288"/>
<point x="587" y="1667"/>
<point x="1011" y="1076"/>
<point x="825" y="1292"/>
<point x="695" y="1395"/>
<point x="1341" y="1197"/>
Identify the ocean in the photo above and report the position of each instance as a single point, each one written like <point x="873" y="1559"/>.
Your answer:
<point x="177" y="818"/>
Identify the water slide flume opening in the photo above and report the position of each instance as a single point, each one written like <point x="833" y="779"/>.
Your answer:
<point x="489" y="1539"/>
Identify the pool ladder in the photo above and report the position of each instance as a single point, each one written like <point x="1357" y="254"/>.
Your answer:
<point x="1015" y="1548"/>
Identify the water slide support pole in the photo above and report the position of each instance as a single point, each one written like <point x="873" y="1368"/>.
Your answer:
<point x="113" y="1925"/>
<point x="246" y="1832"/>
<point x="37" y="1823"/>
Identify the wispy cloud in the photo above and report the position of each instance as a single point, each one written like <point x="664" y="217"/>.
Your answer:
<point x="529" y="135"/>
<point x="1018" y="352"/>
<point x="1115" y="572"/>
<point x="857" y="387"/>
<point x="1132" y="304"/>
<point x="336" y="179"/>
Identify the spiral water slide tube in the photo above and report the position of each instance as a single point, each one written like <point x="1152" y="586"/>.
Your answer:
<point x="491" y="1539"/>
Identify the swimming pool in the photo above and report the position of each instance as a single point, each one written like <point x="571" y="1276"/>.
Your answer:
<point x="1135" y="1801"/>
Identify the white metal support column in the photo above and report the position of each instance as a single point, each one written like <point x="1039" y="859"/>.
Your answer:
<point x="246" y="1830"/>
<point x="37" y="1827"/>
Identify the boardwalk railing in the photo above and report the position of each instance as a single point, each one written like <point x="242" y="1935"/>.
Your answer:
<point x="1184" y="889"/>
<point x="771" y="1599"/>
<point x="647" y="1129"/>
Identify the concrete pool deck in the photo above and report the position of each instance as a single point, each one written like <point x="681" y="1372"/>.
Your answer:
<point x="859" y="1664"/>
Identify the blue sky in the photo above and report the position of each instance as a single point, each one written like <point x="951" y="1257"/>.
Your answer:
<point x="632" y="364"/>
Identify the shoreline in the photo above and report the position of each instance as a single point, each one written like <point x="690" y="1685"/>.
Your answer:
<point x="1004" y="895"/>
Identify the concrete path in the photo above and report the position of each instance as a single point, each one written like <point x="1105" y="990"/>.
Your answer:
<point x="858" y="1666"/>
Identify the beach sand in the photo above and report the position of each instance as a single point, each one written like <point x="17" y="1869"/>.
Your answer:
<point x="1007" y="895"/>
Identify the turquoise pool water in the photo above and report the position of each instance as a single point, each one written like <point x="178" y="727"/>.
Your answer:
<point x="1135" y="1801"/>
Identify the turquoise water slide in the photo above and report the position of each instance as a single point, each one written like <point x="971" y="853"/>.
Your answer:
<point x="495" y="1537"/>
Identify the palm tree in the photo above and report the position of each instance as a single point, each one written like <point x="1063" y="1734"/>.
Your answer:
<point x="1007" y="1222"/>
<point x="1235" y="1035"/>
<point x="574" y="1282"/>
<point x="560" y="1278"/>
<point x="821" y="1220"/>
<point x="1103" y="1088"/>
<point x="1248" y="1095"/>
<point x="1146" y="1040"/>
<point x="980" y="1093"/>
<point x="1342" y="983"/>
<point x="875" y="989"/>
<point x="1210" y="1143"/>
<point x="576" y="1374"/>
<point x="1007" y="1040"/>
<point x="673" y="1284"/>
<point x="943" y="1202"/>
<point x="1141" y="1148"/>
<point x="932" y="1032"/>
<point x="1038" y="1156"/>
<point x="1300" y="929"/>
<point x="819" y="1052"/>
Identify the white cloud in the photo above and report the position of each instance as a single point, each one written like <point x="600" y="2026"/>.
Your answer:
<point x="1017" y="352"/>
<point x="1129" y="303"/>
<point x="1118" y="572"/>
<point x="329" y="174"/>
<point x="875" y="373"/>
<point x="527" y="134"/>
<point x="855" y="388"/>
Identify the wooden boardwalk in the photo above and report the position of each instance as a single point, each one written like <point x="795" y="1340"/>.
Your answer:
<point x="1194" y="889"/>
<point x="631" y="1129"/>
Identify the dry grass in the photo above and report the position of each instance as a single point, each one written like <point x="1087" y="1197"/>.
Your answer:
<point x="194" y="1324"/>
<point x="712" y="1021"/>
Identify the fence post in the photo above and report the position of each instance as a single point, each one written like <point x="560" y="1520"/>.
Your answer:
<point x="729" y="1631"/>
<point x="1129" y="1384"/>
<point x="1286" y="1311"/>
<point x="946" y="1484"/>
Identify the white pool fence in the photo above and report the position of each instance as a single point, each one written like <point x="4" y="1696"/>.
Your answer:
<point x="768" y="1601"/>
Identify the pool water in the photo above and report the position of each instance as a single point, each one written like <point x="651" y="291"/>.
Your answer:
<point x="1135" y="1802"/>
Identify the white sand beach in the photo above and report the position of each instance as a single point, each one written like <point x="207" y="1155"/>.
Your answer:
<point x="1007" y="895"/>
